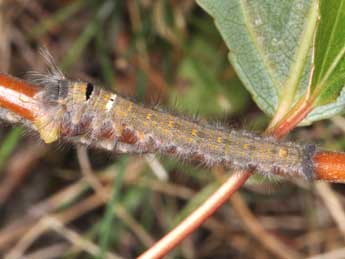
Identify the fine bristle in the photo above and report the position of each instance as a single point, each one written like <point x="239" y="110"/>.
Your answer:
<point x="50" y="78"/>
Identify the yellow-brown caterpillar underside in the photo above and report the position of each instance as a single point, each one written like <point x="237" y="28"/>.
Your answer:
<point x="98" y="117"/>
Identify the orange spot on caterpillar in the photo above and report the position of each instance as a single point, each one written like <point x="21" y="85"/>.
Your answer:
<point x="283" y="153"/>
<point x="194" y="132"/>
<point x="122" y="113"/>
<point x="141" y="136"/>
<point x="171" y="124"/>
<point x="329" y="166"/>
<point x="165" y="131"/>
<point x="148" y="116"/>
<point x="245" y="146"/>
<point x="130" y="106"/>
<point x="213" y="147"/>
<point x="219" y="139"/>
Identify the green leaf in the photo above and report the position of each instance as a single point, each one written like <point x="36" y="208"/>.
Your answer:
<point x="270" y="46"/>
<point x="9" y="143"/>
<point x="329" y="75"/>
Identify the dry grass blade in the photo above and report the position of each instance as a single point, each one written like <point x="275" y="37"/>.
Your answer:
<point x="76" y="239"/>
<point x="256" y="229"/>
<point x="49" y="252"/>
<point x="335" y="254"/>
<point x="104" y="194"/>
<point x="333" y="204"/>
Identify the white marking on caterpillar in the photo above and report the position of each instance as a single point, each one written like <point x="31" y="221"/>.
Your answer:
<point x="110" y="102"/>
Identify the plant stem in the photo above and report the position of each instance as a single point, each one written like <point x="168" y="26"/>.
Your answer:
<point x="194" y="220"/>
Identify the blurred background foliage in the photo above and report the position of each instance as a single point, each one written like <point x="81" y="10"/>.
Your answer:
<point x="165" y="52"/>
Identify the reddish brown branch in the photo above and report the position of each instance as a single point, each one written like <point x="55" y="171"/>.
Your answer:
<point x="329" y="166"/>
<point x="17" y="96"/>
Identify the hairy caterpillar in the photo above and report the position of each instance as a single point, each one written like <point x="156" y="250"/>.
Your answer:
<point x="76" y="110"/>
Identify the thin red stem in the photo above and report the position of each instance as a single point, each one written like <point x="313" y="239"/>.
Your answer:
<point x="194" y="220"/>
<point x="291" y="121"/>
